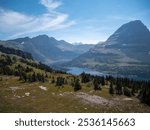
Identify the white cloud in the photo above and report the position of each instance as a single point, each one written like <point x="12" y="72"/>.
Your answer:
<point x="15" y="24"/>
<point x="51" y="4"/>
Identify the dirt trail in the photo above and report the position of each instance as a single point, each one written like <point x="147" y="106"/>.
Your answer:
<point x="95" y="100"/>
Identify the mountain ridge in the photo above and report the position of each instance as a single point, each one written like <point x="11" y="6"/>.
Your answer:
<point x="47" y="49"/>
<point x="126" y="49"/>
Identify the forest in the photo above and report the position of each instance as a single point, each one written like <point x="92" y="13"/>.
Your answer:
<point x="26" y="71"/>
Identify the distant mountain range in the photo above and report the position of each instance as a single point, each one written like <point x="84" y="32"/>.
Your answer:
<point x="47" y="49"/>
<point x="127" y="51"/>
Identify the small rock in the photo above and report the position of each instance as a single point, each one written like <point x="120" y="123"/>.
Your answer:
<point x="53" y="93"/>
<point x="27" y="94"/>
<point x="43" y="88"/>
<point x="18" y="97"/>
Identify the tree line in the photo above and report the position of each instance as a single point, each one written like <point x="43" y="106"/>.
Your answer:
<point x="120" y="86"/>
<point x="25" y="73"/>
<point x="20" y="53"/>
<point x="117" y="85"/>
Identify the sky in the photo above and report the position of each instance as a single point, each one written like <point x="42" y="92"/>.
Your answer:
<point x="86" y="21"/>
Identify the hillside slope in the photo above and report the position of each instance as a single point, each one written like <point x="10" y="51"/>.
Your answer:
<point x="47" y="49"/>
<point x="30" y="86"/>
<point x="126" y="52"/>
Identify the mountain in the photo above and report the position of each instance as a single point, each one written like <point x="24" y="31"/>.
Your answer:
<point x="47" y="49"/>
<point x="29" y="86"/>
<point x="126" y="52"/>
<point x="12" y="51"/>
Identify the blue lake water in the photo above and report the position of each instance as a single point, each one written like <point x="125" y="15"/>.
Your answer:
<point x="78" y="71"/>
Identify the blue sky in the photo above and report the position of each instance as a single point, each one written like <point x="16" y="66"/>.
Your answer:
<point x="87" y="21"/>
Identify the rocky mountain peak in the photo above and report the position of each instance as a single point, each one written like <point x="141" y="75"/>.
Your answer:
<point x="131" y="32"/>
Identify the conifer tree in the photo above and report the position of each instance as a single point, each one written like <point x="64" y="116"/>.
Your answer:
<point x="97" y="84"/>
<point x="111" y="89"/>
<point x="77" y="85"/>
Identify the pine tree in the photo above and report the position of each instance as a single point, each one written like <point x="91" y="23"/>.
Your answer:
<point x="145" y="94"/>
<point x="34" y="77"/>
<point x="29" y="78"/>
<point x="42" y="78"/>
<point x="111" y="89"/>
<point x="24" y="76"/>
<point x="85" y="77"/>
<point x="97" y="84"/>
<point x="77" y="85"/>
<point x="118" y="89"/>
<point x="60" y="81"/>
<point x="103" y="81"/>
<point x="127" y="92"/>
<point x="53" y="80"/>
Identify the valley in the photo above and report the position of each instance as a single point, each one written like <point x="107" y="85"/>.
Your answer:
<point x="136" y="73"/>
<point x="125" y="53"/>
<point x="47" y="49"/>
<point x="42" y="74"/>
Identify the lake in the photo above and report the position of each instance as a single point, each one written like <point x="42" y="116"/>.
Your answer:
<point x="78" y="71"/>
